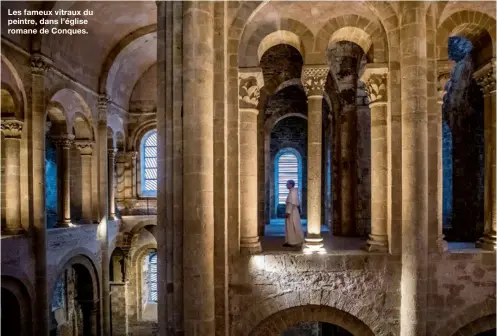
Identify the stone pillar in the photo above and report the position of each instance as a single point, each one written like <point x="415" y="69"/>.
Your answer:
<point x="375" y="78"/>
<point x="86" y="149"/>
<point x="35" y="122"/>
<point x="12" y="130"/>
<point x="120" y="172"/>
<point x="103" y="174"/>
<point x="435" y="169"/>
<point x="198" y="183"/>
<point x="112" y="185"/>
<point x="118" y="295"/>
<point x="130" y="175"/>
<point x="63" y="144"/>
<point x="414" y="119"/>
<point x="250" y="83"/>
<point x="485" y="77"/>
<point x="314" y="79"/>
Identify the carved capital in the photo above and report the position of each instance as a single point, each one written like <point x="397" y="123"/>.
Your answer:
<point x="314" y="79"/>
<point x="85" y="147"/>
<point x="111" y="153"/>
<point x="12" y="128"/>
<point x="441" y="86"/>
<point x="375" y="78"/>
<point x="250" y="82"/>
<point x="103" y="106"/>
<point x="64" y="141"/>
<point x="485" y="77"/>
<point x="132" y="155"/>
<point x="39" y="64"/>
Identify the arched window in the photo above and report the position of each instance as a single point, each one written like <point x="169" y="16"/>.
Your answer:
<point x="149" y="164"/>
<point x="287" y="167"/>
<point x="152" y="277"/>
<point x="447" y="175"/>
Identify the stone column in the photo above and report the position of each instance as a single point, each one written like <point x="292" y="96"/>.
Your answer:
<point x="112" y="185"/>
<point x="63" y="144"/>
<point x="250" y="83"/>
<point x="314" y="79"/>
<point x="86" y="149"/>
<point x="435" y="168"/>
<point x="119" y="174"/>
<point x="103" y="186"/>
<point x="198" y="183"/>
<point x="414" y="119"/>
<point x="375" y="78"/>
<point x="12" y="130"/>
<point x="130" y="175"/>
<point x="485" y="77"/>
<point x="35" y="123"/>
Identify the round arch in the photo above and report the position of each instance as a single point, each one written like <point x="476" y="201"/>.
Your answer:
<point x="468" y="316"/>
<point x="138" y="133"/>
<point x="19" y="85"/>
<point x="78" y="258"/>
<point x="82" y="127"/>
<point x="298" y="156"/>
<point x="368" y="35"/>
<point x="72" y="104"/>
<point x="136" y="267"/>
<point x="471" y="24"/>
<point x="20" y="293"/>
<point x="279" y="322"/>
<point x="288" y="31"/>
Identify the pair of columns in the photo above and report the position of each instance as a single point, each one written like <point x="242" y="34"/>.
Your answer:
<point x="313" y="80"/>
<point x="64" y="144"/>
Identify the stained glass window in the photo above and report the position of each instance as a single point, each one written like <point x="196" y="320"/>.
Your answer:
<point x="149" y="164"/>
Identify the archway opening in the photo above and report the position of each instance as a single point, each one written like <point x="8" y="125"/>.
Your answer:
<point x="315" y="329"/>
<point x="463" y="144"/>
<point x="73" y="306"/>
<point x="10" y="314"/>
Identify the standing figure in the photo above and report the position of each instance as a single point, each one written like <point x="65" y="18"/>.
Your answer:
<point x="294" y="234"/>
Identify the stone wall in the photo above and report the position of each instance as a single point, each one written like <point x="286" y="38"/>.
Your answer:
<point x="367" y="286"/>
<point x="119" y="314"/>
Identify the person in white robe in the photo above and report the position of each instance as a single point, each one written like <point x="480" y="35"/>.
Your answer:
<point x="294" y="234"/>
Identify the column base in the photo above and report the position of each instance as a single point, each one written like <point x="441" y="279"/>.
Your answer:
<point x="314" y="244"/>
<point x="488" y="242"/>
<point x="377" y="243"/>
<point x="441" y="244"/>
<point x="63" y="224"/>
<point x="250" y="245"/>
<point x="13" y="231"/>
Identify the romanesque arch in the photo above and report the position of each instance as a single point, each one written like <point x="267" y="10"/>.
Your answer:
<point x="279" y="322"/>
<point x="16" y="307"/>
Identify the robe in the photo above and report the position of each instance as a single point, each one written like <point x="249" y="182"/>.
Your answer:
<point x="294" y="234"/>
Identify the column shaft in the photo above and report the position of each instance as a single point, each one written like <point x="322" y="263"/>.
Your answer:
<point x="64" y="181"/>
<point x="112" y="185"/>
<point x="414" y="169"/>
<point x="489" y="241"/>
<point x="314" y="151"/>
<point x="87" y="188"/>
<point x="348" y="169"/>
<point x="378" y="239"/>
<point x="249" y="237"/>
<point x="12" y="162"/>
<point x="198" y="242"/>
<point x="36" y="146"/>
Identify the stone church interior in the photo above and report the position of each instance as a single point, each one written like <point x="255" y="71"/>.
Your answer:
<point x="144" y="168"/>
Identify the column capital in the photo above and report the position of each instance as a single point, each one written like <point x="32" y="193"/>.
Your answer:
<point x="111" y="152"/>
<point x="64" y="141"/>
<point x="132" y="154"/>
<point x="442" y="80"/>
<point x="485" y="77"/>
<point x="85" y="146"/>
<point x="375" y="78"/>
<point x="103" y="106"/>
<point x="12" y="128"/>
<point x="250" y="82"/>
<point x="40" y="64"/>
<point x="314" y="79"/>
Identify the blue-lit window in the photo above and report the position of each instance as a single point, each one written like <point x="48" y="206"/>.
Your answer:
<point x="149" y="164"/>
<point x="447" y="175"/>
<point x="288" y="165"/>
<point x="152" y="277"/>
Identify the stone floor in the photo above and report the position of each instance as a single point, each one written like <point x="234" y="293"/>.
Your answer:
<point x="274" y="238"/>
